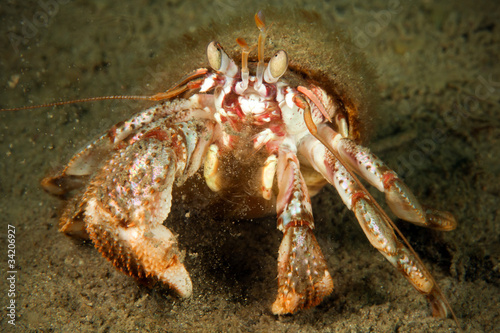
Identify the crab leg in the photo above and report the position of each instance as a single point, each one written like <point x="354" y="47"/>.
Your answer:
<point x="83" y="164"/>
<point x="303" y="277"/>
<point x="399" y="197"/>
<point x="374" y="224"/>
<point x="128" y="199"/>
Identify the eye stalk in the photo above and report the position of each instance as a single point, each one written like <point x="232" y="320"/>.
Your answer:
<point x="215" y="55"/>
<point x="276" y="67"/>
<point x="245" y="50"/>
<point x="219" y="60"/>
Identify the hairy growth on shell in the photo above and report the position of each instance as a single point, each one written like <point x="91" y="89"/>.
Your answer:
<point x="319" y="53"/>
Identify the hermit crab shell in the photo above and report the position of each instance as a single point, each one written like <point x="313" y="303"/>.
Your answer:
<point x="319" y="53"/>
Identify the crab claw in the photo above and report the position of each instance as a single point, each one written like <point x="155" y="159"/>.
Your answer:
<point x="144" y="253"/>
<point x="303" y="277"/>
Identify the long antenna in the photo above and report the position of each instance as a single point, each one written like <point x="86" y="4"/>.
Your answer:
<point x="90" y="99"/>
<point x="188" y="82"/>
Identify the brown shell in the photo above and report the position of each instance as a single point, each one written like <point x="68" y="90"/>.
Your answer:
<point x="318" y="52"/>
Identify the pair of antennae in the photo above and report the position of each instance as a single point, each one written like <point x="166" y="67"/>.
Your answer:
<point x="271" y="73"/>
<point x="261" y="25"/>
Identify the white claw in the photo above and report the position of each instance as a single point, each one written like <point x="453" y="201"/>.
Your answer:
<point x="210" y="171"/>
<point x="268" y="173"/>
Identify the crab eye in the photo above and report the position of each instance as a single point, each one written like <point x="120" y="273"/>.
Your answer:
<point x="217" y="58"/>
<point x="277" y="67"/>
<point x="214" y="51"/>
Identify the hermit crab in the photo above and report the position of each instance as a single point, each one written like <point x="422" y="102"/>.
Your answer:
<point x="271" y="131"/>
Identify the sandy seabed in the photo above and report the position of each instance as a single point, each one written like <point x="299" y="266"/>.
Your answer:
<point x="438" y="126"/>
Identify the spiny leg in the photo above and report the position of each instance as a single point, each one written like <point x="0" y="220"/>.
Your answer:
<point x="130" y="197"/>
<point x="374" y="223"/>
<point x="399" y="197"/>
<point x="360" y="159"/>
<point x="303" y="278"/>
<point x="88" y="161"/>
<point x="381" y="235"/>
